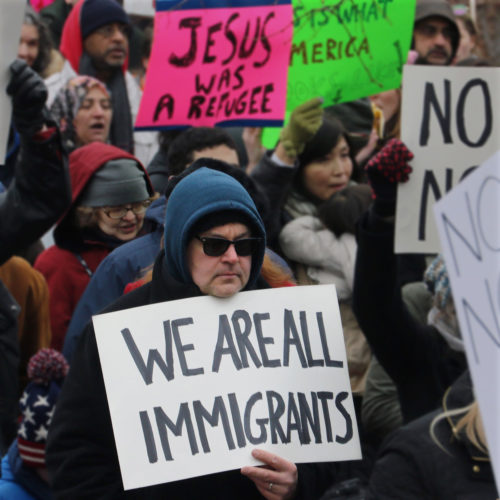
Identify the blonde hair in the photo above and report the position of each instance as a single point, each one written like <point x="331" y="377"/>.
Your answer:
<point x="470" y="426"/>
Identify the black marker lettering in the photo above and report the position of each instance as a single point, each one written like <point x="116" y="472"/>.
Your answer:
<point x="292" y="338"/>
<point x="261" y="422"/>
<point x="183" y="62"/>
<point x="242" y="332"/>
<point x="274" y="416"/>
<point x="263" y="341"/>
<point x="220" y="350"/>
<point x="208" y="58"/>
<point x="218" y="411"/>
<point x="341" y="396"/>
<point x="146" y="370"/>
<point x="149" y="439"/>
<point x="444" y="119"/>
<point x="183" y="419"/>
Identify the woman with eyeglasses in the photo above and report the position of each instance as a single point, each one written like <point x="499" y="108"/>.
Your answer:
<point x="111" y="192"/>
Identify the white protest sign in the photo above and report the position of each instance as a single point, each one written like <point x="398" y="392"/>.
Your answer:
<point x="11" y="18"/>
<point x="194" y="385"/>
<point x="450" y="122"/>
<point x="139" y="7"/>
<point x="468" y="223"/>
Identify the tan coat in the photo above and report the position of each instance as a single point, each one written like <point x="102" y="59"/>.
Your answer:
<point x="29" y="289"/>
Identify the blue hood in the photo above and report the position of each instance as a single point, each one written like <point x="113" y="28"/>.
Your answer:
<point x="24" y="482"/>
<point x="201" y="193"/>
<point x="156" y="211"/>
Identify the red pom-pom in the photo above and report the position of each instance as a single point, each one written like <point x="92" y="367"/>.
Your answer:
<point x="47" y="365"/>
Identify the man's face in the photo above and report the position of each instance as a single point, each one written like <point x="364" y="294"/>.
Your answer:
<point x="220" y="152"/>
<point x="221" y="276"/>
<point x="107" y="46"/>
<point x="432" y="39"/>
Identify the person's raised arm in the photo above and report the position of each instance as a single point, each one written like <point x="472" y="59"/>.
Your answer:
<point x="274" y="173"/>
<point x="377" y="302"/>
<point x="305" y="121"/>
<point x="40" y="190"/>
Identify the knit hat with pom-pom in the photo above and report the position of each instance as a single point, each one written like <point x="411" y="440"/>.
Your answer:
<point x="46" y="371"/>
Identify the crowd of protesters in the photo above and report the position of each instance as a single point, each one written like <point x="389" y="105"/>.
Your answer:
<point x="319" y="208"/>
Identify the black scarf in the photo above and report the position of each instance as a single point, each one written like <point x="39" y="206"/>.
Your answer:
<point x="121" y="131"/>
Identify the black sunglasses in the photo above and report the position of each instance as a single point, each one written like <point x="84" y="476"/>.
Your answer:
<point x="215" y="247"/>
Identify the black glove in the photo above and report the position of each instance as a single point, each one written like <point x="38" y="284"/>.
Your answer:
<point x="29" y="95"/>
<point x="385" y="170"/>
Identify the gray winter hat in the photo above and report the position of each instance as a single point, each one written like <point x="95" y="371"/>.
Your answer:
<point x="117" y="182"/>
<point x="438" y="8"/>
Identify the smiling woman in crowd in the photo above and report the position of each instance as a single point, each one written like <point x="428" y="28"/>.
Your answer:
<point x="35" y="44"/>
<point x="110" y="194"/>
<point x="312" y="161"/>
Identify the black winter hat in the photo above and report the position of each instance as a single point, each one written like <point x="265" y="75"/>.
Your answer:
<point x="97" y="13"/>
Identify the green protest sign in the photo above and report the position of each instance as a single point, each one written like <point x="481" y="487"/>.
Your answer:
<point x="346" y="49"/>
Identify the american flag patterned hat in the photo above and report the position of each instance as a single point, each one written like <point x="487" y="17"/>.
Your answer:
<point x="46" y="371"/>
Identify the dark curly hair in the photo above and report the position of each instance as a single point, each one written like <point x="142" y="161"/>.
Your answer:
<point x="182" y="148"/>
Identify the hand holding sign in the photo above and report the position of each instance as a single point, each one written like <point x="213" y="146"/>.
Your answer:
<point x="276" y="481"/>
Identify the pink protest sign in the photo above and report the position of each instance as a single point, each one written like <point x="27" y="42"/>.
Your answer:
<point x="217" y="66"/>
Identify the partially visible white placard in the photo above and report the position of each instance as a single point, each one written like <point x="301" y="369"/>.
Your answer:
<point x="450" y="122"/>
<point x="11" y="19"/>
<point x="269" y="364"/>
<point x="139" y="7"/>
<point x="468" y="222"/>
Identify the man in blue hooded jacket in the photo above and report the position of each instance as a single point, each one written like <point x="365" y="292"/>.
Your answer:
<point x="214" y="245"/>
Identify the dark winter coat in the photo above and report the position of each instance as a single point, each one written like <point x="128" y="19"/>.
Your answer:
<point x="36" y="197"/>
<point x="54" y="16"/>
<point x="9" y="366"/>
<point x="38" y="194"/>
<point x="415" y="355"/>
<point x="274" y="181"/>
<point x="81" y="453"/>
<point x="122" y="266"/>
<point x="158" y="171"/>
<point x="412" y="466"/>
